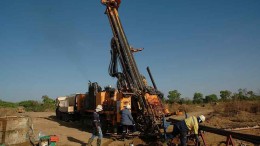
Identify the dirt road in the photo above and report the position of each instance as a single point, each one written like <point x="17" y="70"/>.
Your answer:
<point x="69" y="133"/>
<point x="74" y="134"/>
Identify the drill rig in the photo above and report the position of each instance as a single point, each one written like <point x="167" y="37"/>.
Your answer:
<point x="147" y="108"/>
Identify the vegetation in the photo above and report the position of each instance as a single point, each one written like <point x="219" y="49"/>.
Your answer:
<point x="211" y="98"/>
<point x="225" y="96"/>
<point x="7" y="104"/>
<point x="234" y="101"/>
<point x="47" y="104"/>
<point x="174" y="96"/>
<point x="198" y="98"/>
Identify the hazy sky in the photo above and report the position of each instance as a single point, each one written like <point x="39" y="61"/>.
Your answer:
<point x="54" y="47"/>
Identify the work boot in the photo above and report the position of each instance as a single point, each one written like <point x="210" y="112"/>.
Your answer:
<point x="89" y="142"/>
<point x="123" y="136"/>
<point x="98" y="142"/>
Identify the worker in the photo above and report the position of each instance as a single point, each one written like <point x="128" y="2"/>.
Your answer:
<point x="96" y="127"/>
<point x="189" y="124"/>
<point x="126" y="119"/>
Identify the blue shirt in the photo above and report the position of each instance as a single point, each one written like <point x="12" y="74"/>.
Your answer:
<point x="126" y="117"/>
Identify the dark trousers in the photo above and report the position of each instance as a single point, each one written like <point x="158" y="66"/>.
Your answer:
<point x="182" y="129"/>
<point x="124" y="131"/>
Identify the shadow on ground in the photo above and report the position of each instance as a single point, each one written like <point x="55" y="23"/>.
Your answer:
<point x="71" y="124"/>
<point x="137" y="141"/>
<point x="72" y="139"/>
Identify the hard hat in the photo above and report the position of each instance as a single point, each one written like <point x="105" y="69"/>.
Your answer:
<point x="202" y="118"/>
<point x="99" y="108"/>
<point x="128" y="106"/>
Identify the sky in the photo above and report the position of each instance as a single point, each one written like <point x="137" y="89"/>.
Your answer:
<point x="56" y="47"/>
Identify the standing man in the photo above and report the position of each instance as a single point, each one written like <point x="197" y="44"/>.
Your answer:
<point x="189" y="124"/>
<point x="96" y="127"/>
<point x="126" y="119"/>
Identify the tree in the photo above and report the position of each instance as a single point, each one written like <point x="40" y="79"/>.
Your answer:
<point x="174" y="96"/>
<point x="225" y="95"/>
<point x="211" y="98"/>
<point x="47" y="100"/>
<point x="31" y="105"/>
<point x="198" y="98"/>
<point x="242" y="94"/>
<point x="251" y="95"/>
<point x="48" y="103"/>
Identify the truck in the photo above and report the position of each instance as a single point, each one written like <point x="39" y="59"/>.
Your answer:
<point x="68" y="107"/>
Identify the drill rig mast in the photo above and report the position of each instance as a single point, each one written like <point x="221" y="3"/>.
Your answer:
<point x="146" y="103"/>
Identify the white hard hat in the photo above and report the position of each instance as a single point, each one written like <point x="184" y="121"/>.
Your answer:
<point x="202" y="118"/>
<point x="99" y="108"/>
<point x="128" y="106"/>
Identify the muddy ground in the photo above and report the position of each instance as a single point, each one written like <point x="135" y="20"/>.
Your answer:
<point x="74" y="134"/>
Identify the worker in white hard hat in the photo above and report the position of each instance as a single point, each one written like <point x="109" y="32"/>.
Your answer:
<point x="126" y="119"/>
<point x="96" y="127"/>
<point x="184" y="126"/>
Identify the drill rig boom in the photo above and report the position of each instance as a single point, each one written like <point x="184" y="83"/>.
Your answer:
<point x="121" y="47"/>
<point x="149" y="107"/>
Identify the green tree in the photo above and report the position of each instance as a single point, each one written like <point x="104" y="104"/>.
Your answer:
<point x="31" y="105"/>
<point x="174" y="96"/>
<point x="48" y="103"/>
<point x="198" y="98"/>
<point x="7" y="104"/>
<point x="225" y="95"/>
<point x="242" y="94"/>
<point x="251" y="95"/>
<point x="47" y="100"/>
<point x="211" y="98"/>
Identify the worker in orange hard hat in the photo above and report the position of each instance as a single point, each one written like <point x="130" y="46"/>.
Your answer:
<point x="189" y="124"/>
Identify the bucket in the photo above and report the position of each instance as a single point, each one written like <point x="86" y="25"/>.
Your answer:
<point x="14" y="129"/>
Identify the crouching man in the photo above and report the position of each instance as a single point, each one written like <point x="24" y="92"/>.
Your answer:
<point x="189" y="124"/>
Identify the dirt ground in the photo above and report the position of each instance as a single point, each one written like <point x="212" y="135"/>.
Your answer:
<point x="74" y="134"/>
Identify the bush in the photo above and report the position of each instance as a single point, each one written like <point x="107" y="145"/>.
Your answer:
<point x="211" y="98"/>
<point x="233" y="108"/>
<point x="31" y="105"/>
<point x="47" y="104"/>
<point x="48" y="107"/>
<point x="7" y="104"/>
